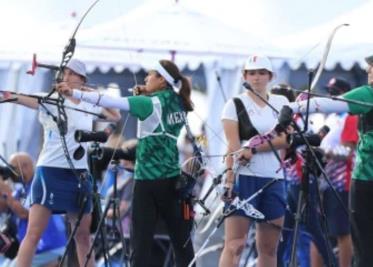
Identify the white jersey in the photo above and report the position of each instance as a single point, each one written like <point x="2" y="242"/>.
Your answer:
<point x="263" y="164"/>
<point x="52" y="154"/>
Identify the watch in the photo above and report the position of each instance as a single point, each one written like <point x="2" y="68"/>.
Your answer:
<point x="254" y="150"/>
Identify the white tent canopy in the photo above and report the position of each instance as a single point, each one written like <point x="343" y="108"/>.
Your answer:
<point x="48" y="31"/>
<point x="350" y="45"/>
<point x="171" y="30"/>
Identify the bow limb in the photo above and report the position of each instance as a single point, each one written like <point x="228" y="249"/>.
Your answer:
<point x="325" y="56"/>
<point x="62" y="120"/>
<point x="83" y="17"/>
<point x="69" y="49"/>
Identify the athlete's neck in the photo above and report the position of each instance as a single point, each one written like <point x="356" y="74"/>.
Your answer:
<point x="258" y="97"/>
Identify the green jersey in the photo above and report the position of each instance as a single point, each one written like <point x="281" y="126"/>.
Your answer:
<point x="364" y="157"/>
<point x="160" y="119"/>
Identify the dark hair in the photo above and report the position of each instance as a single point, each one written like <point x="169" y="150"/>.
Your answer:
<point x="337" y="86"/>
<point x="284" y="90"/>
<point x="185" y="90"/>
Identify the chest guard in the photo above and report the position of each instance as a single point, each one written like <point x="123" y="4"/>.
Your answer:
<point x="245" y="127"/>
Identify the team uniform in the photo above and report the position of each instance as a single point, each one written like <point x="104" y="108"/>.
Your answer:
<point x="362" y="184"/>
<point x="55" y="185"/>
<point x="263" y="166"/>
<point x="160" y="119"/>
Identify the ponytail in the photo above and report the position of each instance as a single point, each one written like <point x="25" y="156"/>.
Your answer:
<point x="185" y="92"/>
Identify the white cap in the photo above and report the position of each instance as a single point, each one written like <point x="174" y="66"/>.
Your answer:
<point x="258" y="62"/>
<point x="78" y="67"/>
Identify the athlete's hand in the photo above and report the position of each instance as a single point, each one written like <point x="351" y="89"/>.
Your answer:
<point x="245" y="155"/>
<point x="139" y="90"/>
<point x="64" y="89"/>
<point x="228" y="187"/>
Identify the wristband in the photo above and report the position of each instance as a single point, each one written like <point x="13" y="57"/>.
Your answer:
<point x="254" y="150"/>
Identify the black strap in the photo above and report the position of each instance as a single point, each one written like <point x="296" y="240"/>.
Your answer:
<point x="366" y="122"/>
<point x="245" y="127"/>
